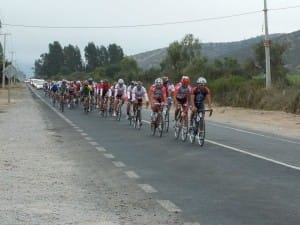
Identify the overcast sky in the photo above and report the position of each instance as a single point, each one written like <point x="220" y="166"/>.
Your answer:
<point x="29" y="43"/>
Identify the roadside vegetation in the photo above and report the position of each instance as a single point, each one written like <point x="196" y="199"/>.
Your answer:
<point x="232" y="83"/>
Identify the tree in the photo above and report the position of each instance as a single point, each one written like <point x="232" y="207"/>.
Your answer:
<point x="129" y="69"/>
<point x="91" y="56"/>
<point x="115" y="54"/>
<point x="103" y="56"/>
<point x="278" y="71"/>
<point x="72" y="59"/>
<point x="54" y="60"/>
<point x="181" y="54"/>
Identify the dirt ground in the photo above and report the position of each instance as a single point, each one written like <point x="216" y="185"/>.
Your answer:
<point x="277" y="122"/>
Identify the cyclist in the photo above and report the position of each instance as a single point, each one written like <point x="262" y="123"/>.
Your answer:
<point x="104" y="94"/>
<point x="53" y="90"/>
<point x="182" y="97"/>
<point x="129" y="96"/>
<point x="85" y="93"/>
<point x="169" y="90"/>
<point x="120" y="94"/>
<point x="200" y="93"/>
<point x="138" y="94"/>
<point x="157" y="94"/>
<point x="62" y="90"/>
<point x="92" y="87"/>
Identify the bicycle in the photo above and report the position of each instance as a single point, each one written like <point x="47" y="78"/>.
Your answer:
<point x="138" y="117"/>
<point x="86" y="104"/>
<point x="158" y="122"/>
<point x="198" y="129"/>
<point x="62" y="103"/>
<point x="180" y="127"/>
<point x="166" y="119"/>
<point x="119" y="109"/>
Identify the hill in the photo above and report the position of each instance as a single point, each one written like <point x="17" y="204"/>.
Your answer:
<point x="240" y="50"/>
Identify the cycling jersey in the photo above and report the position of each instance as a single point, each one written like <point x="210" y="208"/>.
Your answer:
<point x="139" y="94"/>
<point x="120" y="90"/>
<point x="200" y="95"/>
<point x="54" y="88"/>
<point x="158" y="93"/>
<point x="86" y="90"/>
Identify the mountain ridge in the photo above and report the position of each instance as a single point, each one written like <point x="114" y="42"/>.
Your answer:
<point x="236" y="49"/>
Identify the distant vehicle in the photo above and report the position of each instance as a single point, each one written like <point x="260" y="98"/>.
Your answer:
<point x="39" y="84"/>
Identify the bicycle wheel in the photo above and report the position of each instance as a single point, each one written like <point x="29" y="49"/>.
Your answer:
<point x="177" y="128"/>
<point x="193" y="132"/>
<point x="184" y="133"/>
<point x="137" y="119"/>
<point x="62" y="105"/>
<point x="119" y="112"/>
<point x="160" y="126"/>
<point x="167" y="121"/>
<point x="201" y="133"/>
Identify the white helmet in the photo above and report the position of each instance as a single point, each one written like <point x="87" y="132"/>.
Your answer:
<point x="120" y="81"/>
<point x="158" y="81"/>
<point x="201" y="81"/>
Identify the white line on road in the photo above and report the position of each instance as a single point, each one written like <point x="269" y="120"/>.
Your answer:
<point x="147" y="188"/>
<point x="254" y="155"/>
<point x="131" y="174"/>
<point x="109" y="156"/>
<point x="88" y="138"/>
<point x="191" y="224"/>
<point x="169" y="206"/>
<point x="84" y="134"/>
<point x="101" y="149"/>
<point x="255" y="133"/>
<point x="118" y="164"/>
<point x="94" y="143"/>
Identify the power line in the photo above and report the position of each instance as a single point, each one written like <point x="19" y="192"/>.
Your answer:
<point x="148" y="25"/>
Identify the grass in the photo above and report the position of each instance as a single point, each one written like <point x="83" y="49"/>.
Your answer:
<point x="294" y="79"/>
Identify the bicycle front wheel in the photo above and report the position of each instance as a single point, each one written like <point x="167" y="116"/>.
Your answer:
<point x="166" y="122"/>
<point x="160" y="126"/>
<point x="201" y="133"/>
<point x="177" y="129"/>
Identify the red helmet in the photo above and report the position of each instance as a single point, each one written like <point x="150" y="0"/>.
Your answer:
<point x="185" y="80"/>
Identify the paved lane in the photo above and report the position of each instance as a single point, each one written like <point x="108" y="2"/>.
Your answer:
<point x="213" y="185"/>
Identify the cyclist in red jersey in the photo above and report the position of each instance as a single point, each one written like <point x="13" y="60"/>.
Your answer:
<point x="157" y="94"/>
<point x="104" y="94"/>
<point x="182" y="96"/>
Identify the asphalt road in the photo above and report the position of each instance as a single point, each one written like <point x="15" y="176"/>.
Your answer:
<point x="237" y="177"/>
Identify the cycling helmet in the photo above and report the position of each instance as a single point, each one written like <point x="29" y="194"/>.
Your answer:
<point x="201" y="81"/>
<point x="120" y="81"/>
<point x="105" y="81"/>
<point x="158" y="81"/>
<point x="85" y="83"/>
<point x="139" y="85"/>
<point x="64" y="82"/>
<point x="90" y="80"/>
<point x="165" y="79"/>
<point x="185" y="80"/>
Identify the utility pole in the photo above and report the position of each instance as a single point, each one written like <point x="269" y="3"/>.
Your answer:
<point x="267" y="45"/>
<point x="3" y="63"/>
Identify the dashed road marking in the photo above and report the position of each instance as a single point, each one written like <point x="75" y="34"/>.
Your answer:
<point x="147" y="188"/>
<point x="79" y="130"/>
<point x="191" y="224"/>
<point x="84" y="134"/>
<point x="101" y="149"/>
<point x="88" y="138"/>
<point x="118" y="164"/>
<point x="109" y="156"/>
<point x="169" y="206"/>
<point x="94" y="143"/>
<point x="132" y="174"/>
